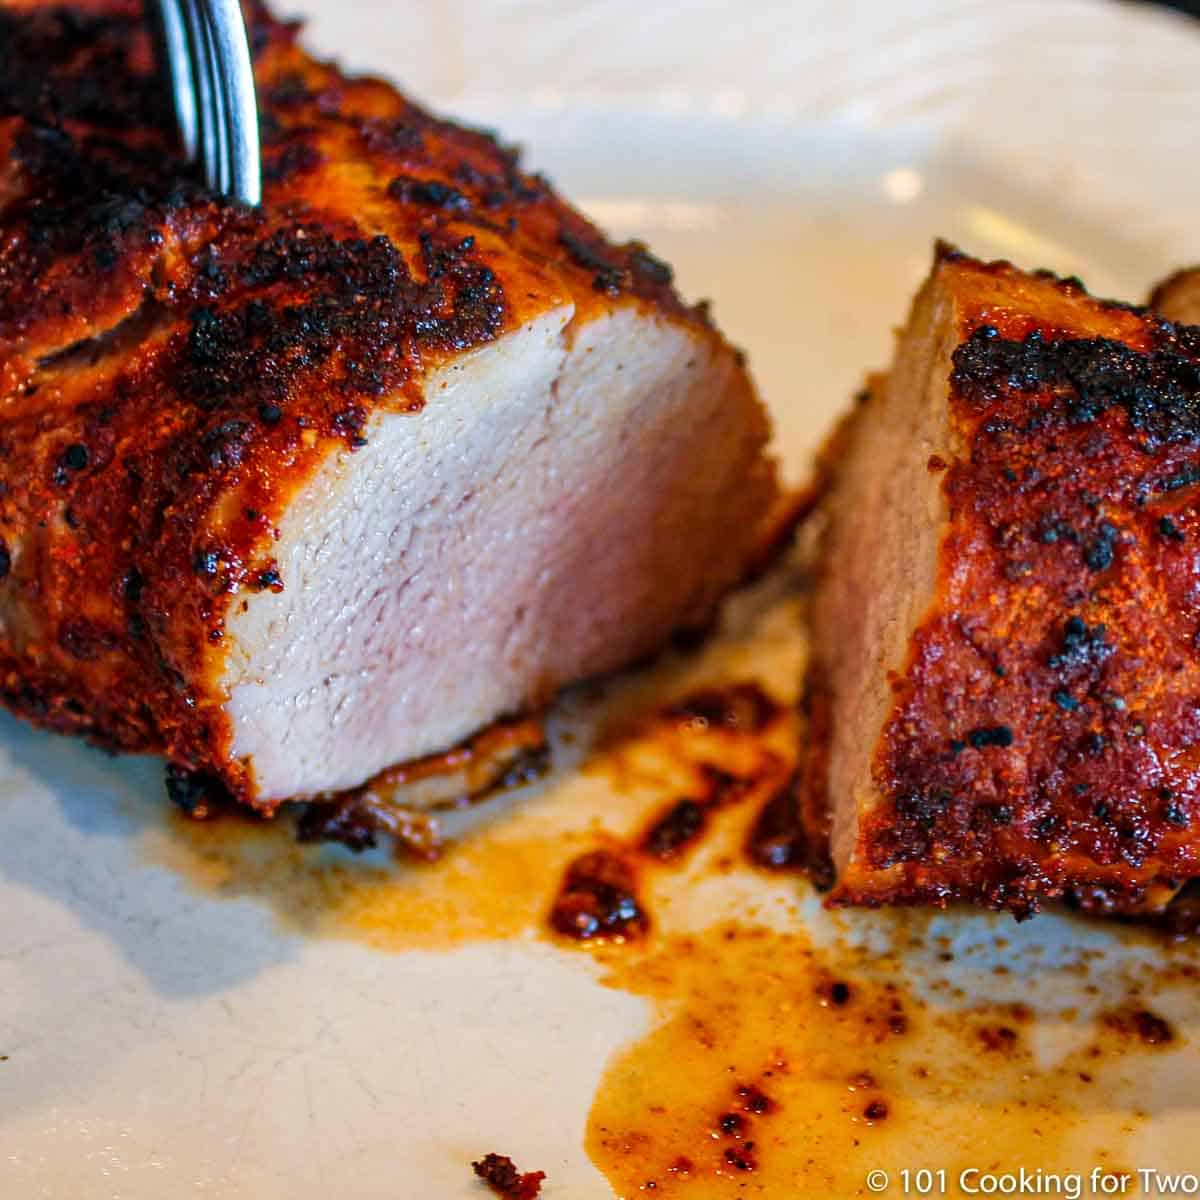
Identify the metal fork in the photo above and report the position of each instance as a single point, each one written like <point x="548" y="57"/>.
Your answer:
<point x="212" y="84"/>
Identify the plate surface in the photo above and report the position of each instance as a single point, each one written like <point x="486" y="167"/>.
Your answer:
<point x="175" y="1030"/>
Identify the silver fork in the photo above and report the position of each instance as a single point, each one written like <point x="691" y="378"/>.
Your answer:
<point x="212" y="84"/>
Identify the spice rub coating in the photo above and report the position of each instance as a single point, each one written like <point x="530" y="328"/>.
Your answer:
<point x="1040" y="731"/>
<point x="175" y="368"/>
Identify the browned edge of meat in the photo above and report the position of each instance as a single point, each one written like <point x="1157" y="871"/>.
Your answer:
<point x="1178" y="297"/>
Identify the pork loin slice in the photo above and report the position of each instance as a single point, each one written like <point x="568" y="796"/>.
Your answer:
<point x="295" y="494"/>
<point x="1005" y="679"/>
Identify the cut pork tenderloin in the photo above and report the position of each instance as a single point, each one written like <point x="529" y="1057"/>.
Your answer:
<point x="294" y="494"/>
<point x="1005" y="683"/>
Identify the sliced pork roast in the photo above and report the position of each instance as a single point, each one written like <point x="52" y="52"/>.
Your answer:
<point x="293" y="494"/>
<point x="1005" y="682"/>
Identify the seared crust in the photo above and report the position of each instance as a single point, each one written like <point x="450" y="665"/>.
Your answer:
<point x="173" y="367"/>
<point x="1044" y="737"/>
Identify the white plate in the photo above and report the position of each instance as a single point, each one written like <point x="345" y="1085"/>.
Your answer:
<point x="169" y="1036"/>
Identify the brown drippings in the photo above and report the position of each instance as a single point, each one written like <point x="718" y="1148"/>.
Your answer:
<point x="396" y="802"/>
<point x="355" y="822"/>
<point x="714" y="739"/>
<point x="681" y="825"/>
<point x="740" y="707"/>
<point x="846" y="1087"/>
<point x="777" y="840"/>
<point x="499" y="879"/>
<point x="1146" y="1026"/>
<point x="496" y="885"/>
<point x="599" y="900"/>
<point x="774" y="1066"/>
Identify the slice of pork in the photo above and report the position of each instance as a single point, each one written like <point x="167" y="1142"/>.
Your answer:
<point x="1004" y="656"/>
<point x="565" y="500"/>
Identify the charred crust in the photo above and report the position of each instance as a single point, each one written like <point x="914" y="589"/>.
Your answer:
<point x="349" y="302"/>
<point x="591" y="254"/>
<point x="197" y="794"/>
<point x="431" y="193"/>
<point x="1083" y="378"/>
<point x="990" y="735"/>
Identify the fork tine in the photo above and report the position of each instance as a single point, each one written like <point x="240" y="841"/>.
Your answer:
<point x="174" y="37"/>
<point x="222" y="176"/>
<point x="235" y="78"/>
<point x="202" y="85"/>
<point x="212" y="83"/>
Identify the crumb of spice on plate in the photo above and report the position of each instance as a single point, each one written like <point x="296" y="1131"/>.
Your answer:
<point x="500" y="1174"/>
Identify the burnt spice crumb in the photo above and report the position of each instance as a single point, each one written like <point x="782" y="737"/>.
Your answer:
<point x="990" y="735"/>
<point x="428" y="192"/>
<point x="646" y="264"/>
<point x="75" y="457"/>
<point x="500" y="1174"/>
<point x="1170" y="530"/>
<point x="1081" y="646"/>
<point x="1099" y="554"/>
<point x="1045" y="828"/>
<point x="196" y="793"/>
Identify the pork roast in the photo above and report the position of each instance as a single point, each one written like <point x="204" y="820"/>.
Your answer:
<point x="1005" y="684"/>
<point x="295" y="493"/>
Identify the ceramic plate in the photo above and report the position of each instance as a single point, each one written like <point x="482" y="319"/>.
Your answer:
<point x="191" y="1011"/>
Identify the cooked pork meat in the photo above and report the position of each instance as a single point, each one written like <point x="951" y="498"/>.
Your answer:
<point x="1178" y="297"/>
<point x="1005" y="687"/>
<point x="293" y="494"/>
